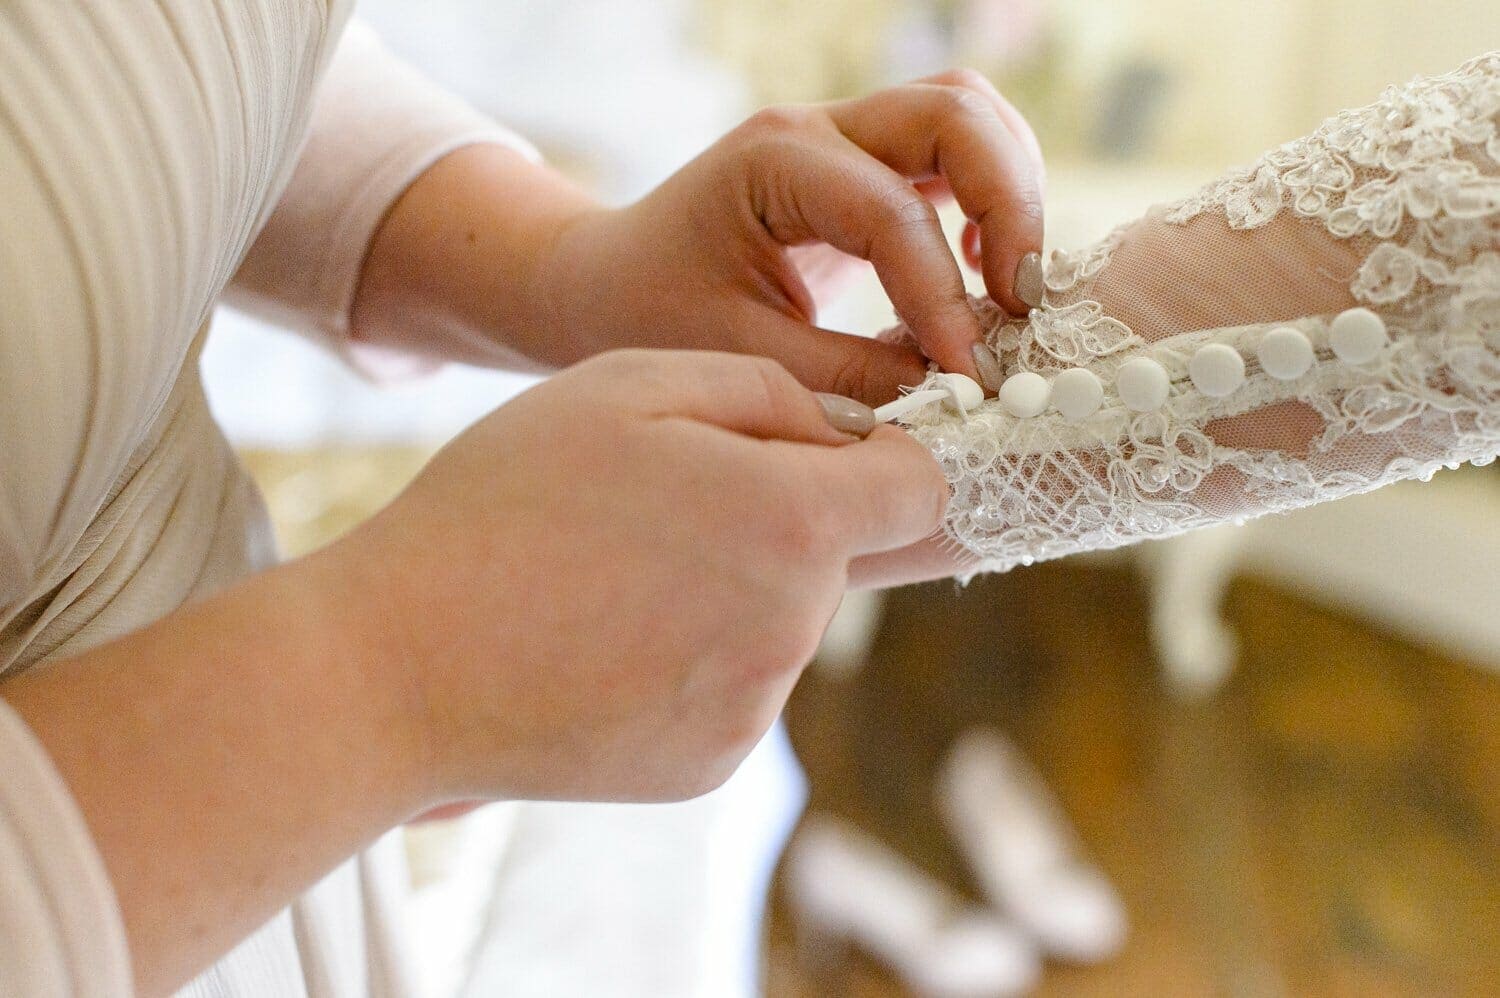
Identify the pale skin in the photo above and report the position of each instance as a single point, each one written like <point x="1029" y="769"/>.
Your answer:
<point x="604" y="590"/>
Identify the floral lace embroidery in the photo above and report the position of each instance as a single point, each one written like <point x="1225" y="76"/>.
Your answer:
<point x="1074" y="334"/>
<point x="1415" y="179"/>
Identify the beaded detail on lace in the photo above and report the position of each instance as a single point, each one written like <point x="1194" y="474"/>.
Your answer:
<point x="1408" y="191"/>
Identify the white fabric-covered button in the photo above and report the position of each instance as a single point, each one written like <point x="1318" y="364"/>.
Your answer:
<point x="1217" y="370"/>
<point x="1025" y="395"/>
<point x="1077" y="393"/>
<point x="1357" y="336"/>
<point x="964" y="393"/>
<point x="1142" y="384"/>
<point x="1285" y="354"/>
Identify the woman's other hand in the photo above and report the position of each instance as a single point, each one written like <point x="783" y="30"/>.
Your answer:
<point x="492" y="259"/>
<point x="704" y="260"/>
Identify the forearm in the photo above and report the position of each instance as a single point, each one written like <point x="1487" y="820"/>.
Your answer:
<point x="454" y="270"/>
<point x="227" y="757"/>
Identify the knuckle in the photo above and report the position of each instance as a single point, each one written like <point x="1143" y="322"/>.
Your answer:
<point x="617" y="380"/>
<point x="779" y="119"/>
<point x="775" y="385"/>
<point x="769" y="371"/>
<point x="702" y="774"/>
<point x="804" y="639"/>
<point x="968" y="78"/>
<point x="650" y="379"/>
<point x="1029" y="203"/>
<point x="800" y="535"/>
<point x="739" y="735"/>
<point x="622" y="363"/>
<point x="806" y="537"/>
<point x="713" y="776"/>
<point x="903" y="207"/>
<point x="785" y="649"/>
<point x="807" y="617"/>
<point x="961" y="101"/>
<point x="852" y="377"/>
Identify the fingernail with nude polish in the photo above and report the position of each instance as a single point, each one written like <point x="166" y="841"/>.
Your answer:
<point x="848" y="416"/>
<point x="988" y="366"/>
<point x="1028" y="286"/>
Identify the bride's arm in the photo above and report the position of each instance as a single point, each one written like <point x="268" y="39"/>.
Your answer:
<point x="1322" y="323"/>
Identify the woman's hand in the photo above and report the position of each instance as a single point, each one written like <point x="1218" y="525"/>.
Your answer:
<point x="604" y="590"/>
<point x="607" y="589"/>
<point x="490" y="258"/>
<point x="703" y="261"/>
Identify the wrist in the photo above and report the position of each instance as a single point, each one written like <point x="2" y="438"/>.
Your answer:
<point x="373" y="686"/>
<point x="455" y="269"/>
<point x="567" y="285"/>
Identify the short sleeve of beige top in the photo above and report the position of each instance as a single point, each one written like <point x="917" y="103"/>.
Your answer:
<point x="152" y="153"/>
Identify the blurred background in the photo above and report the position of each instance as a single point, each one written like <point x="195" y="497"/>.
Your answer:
<point x="1280" y="744"/>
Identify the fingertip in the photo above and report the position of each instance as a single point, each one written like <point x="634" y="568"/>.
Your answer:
<point x="953" y="349"/>
<point x="1014" y="279"/>
<point x="1002" y="289"/>
<point x="850" y="417"/>
<point x="967" y="367"/>
<point x="893" y="435"/>
<point x="921" y="473"/>
<point x="1011" y="247"/>
<point x="1029" y="284"/>
<point x="945" y="325"/>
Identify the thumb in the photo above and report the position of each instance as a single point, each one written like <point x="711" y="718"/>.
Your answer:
<point x="841" y="363"/>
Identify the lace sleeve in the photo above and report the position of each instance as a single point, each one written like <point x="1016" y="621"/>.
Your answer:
<point x="1319" y="324"/>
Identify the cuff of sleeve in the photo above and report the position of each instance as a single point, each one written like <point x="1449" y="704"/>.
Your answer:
<point x="60" y="927"/>
<point x="377" y="125"/>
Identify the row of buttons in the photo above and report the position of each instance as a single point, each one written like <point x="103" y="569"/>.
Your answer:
<point x="1217" y="370"/>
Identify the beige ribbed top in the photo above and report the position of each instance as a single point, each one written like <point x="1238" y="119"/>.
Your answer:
<point x="149" y="152"/>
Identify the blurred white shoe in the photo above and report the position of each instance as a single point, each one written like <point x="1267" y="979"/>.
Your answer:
<point x="1023" y="853"/>
<point x="846" y="887"/>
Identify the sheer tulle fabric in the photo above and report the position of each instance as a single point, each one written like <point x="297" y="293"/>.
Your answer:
<point x="1394" y="207"/>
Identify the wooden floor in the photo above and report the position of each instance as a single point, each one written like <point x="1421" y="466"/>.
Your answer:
<point x="1329" y="824"/>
